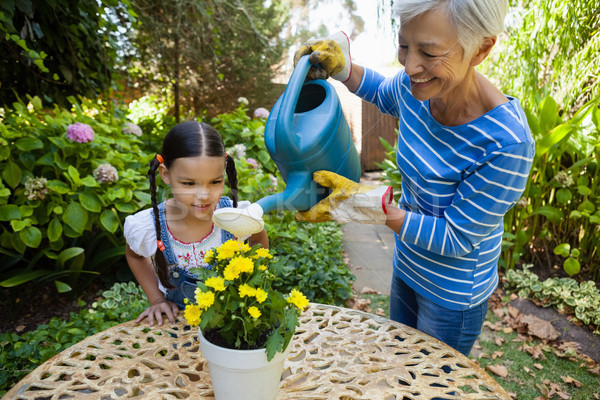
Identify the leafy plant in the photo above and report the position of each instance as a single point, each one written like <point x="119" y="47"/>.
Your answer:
<point x="311" y="258"/>
<point x="58" y="49"/>
<point x="559" y="206"/>
<point x="566" y="294"/>
<point x="20" y="354"/>
<point x="235" y="300"/>
<point x="62" y="196"/>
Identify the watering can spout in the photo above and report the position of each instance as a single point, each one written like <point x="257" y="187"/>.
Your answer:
<point x="293" y="198"/>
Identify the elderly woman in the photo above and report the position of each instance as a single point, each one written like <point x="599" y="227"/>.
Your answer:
<point x="464" y="154"/>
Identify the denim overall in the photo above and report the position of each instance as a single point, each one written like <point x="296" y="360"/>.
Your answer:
<point x="181" y="278"/>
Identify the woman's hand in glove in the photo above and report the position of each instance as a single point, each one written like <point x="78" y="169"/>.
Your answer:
<point x="349" y="201"/>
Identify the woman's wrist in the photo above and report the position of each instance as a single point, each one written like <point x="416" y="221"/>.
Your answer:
<point x="395" y="219"/>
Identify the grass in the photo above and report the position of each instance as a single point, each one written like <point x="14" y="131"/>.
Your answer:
<point x="548" y="376"/>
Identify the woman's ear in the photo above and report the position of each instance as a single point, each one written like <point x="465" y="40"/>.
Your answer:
<point x="484" y="49"/>
<point x="164" y="174"/>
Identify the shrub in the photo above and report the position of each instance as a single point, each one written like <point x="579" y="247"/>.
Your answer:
<point x="68" y="180"/>
<point x="21" y="354"/>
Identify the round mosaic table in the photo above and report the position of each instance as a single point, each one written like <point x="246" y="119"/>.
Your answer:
<point x="337" y="353"/>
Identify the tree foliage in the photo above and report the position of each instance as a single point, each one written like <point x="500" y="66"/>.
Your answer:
<point x="550" y="47"/>
<point x="55" y="49"/>
<point x="208" y="52"/>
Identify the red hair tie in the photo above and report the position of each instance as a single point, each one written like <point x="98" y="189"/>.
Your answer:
<point x="160" y="158"/>
<point x="160" y="245"/>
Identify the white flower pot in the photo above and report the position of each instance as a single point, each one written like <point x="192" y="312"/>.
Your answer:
<point x="242" y="374"/>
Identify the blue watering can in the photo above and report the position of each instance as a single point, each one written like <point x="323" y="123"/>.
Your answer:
<point x="305" y="132"/>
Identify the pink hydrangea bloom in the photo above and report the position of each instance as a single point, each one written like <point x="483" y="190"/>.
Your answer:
<point x="261" y="113"/>
<point x="81" y="133"/>
<point x="252" y="162"/>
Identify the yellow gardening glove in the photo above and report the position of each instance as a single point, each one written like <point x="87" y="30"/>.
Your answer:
<point x="349" y="201"/>
<point x="332" y="54"/>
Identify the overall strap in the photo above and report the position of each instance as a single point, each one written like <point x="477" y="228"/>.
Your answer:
<point x="225" y="202"/>
<point x="169" y="254"/>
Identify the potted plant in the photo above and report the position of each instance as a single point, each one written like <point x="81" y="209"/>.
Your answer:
<point x="245" y="326"/>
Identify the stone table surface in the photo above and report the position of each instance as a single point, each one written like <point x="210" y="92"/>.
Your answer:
<point x="337" y="353"/>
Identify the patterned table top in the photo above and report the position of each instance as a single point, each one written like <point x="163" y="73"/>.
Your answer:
<point x="337" y="353"/>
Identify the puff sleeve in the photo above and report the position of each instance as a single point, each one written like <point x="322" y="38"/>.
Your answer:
<point x="140" y="233"/>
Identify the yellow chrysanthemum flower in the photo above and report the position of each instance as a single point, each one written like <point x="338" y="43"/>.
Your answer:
<point x="242" y="264"/>
<point x="228" y="249"/>
<point x="245" y="247"/>
<point x="246" y="290"/>
<point x="209" y="256"/>
<point x="262" y="267"/>
<point x="254" y="312"/>
<point x="298" y="299"/>
<point x="231" y="272"/>
<point x="263" y="253"/>
<point x="260" y="295"/>
<point x="216" y="282"/>
<point x="204" y="299"/>
<point x="192" y="314"/>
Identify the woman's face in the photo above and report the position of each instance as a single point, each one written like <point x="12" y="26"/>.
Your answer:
<point x="197" y="184"/>
<point x="432" y="56"/>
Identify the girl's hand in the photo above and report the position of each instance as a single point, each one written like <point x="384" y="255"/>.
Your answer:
<point x="157" y="309"/>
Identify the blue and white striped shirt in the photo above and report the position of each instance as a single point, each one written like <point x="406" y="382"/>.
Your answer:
<point x="457" y="184"/>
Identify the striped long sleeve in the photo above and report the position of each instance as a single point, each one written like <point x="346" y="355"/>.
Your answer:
<point x="457" y="184"/>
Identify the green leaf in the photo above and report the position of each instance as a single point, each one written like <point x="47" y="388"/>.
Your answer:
<point x="54" y="230"/>
<point x="548" y="114"/>
<point x="18" y="225"/>
<point x="564" y="195"/>
<point x="74" y="175"/>
<point x="264" y="157"/>
<point x="9" y="212"/>
<point x="12" y="174"/>
<point x="90" y="202"/>
<point x="58" y="186"/>
<point x="62" y="287"/>
<point x="584" y="190"/>
<point x="68" y="254"/>
<point x="587" y="206"/>
<point x="31" y="236"/>
<point x="555" y="136"/>
<point x="89" y="181"/>
<point x="127" y="208"/>
<point x="23" y="278"/>
<point x="29" y="143"/>
<point x="109" y="220"/>
<point x="46" y="159"/>
<point x="563" y="249"/>
<point x="274" y="344"/>
<point x="75" y="216"/>
<point x="571" y="266"/>
<point x="553" y="214"/>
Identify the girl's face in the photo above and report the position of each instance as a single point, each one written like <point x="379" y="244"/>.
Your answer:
<point x="432" y="56"/>
<point x="197" y="184"/>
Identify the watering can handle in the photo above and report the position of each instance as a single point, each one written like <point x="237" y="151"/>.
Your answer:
<point x="284" y="124"/>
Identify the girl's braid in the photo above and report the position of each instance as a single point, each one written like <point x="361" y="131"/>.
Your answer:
<point x="159" y="258"/>
<point x="232" y="178"/>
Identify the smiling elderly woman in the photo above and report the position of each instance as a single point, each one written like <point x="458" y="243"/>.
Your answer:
<point x="464" y="153"/>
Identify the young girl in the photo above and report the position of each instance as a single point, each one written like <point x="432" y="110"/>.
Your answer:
<point x="164" y="241"/>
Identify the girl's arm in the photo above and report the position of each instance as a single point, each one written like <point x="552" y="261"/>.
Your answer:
<point x="144" y="273"/>
<point x="259" y="238"/>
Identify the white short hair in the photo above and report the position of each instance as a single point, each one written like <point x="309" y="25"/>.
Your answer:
<point x="474" y="20"/>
